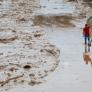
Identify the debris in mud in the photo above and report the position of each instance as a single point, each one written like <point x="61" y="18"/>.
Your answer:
<point x="38" y="34"/>
<point x="7" y="40"/>
<point x="22" y="20"/>
<point x="22" y="9"/>
<point x="27" y="67"/>
<point x="2" y="83"/>
<point x="7" y="35"/>
<point x="51" y="49"/>
<point x="54" y="19"/>
<point x="12" y="69"/>
<point x="34" y="82"/>
<point x="2" y="67"/>
<point x="32" y="75"/>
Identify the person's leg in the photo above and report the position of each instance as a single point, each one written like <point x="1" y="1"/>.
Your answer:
<point x="88" y="39"/>
<point x="89" y="43"/>
<point x="85" y="40"/>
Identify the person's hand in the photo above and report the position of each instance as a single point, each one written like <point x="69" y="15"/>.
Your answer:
<point x="83" y="35"/>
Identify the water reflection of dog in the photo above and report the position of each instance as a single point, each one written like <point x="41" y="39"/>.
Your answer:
<point x="87" y="56"/>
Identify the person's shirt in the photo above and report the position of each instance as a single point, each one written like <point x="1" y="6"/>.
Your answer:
<point x="86" y="31"/>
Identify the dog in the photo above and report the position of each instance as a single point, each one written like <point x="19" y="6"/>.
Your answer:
<point x="87" y="58"/>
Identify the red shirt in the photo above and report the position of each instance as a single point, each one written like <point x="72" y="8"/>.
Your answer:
<point x="86" y="31"/>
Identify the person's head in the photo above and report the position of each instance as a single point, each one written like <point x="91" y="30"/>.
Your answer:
<point x="86" y="25"/>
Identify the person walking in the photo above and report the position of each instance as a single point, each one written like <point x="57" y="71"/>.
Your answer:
<point x="86" y="34"/>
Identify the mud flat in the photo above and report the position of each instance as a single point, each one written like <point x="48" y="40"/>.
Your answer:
<point x="26" y="56"/>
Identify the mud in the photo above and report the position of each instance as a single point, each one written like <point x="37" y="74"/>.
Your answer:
<point x="26" y="56"/>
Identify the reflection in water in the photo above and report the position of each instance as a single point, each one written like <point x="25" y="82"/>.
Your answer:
<point x="87" y="55"/>
<point x="87" y="48"/>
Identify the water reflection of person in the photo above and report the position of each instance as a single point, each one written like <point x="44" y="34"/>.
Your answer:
<point x="87" y="56"/>
<point x="87" y="48"/>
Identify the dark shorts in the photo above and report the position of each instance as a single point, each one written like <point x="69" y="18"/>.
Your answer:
<point x="87" y="39"/>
